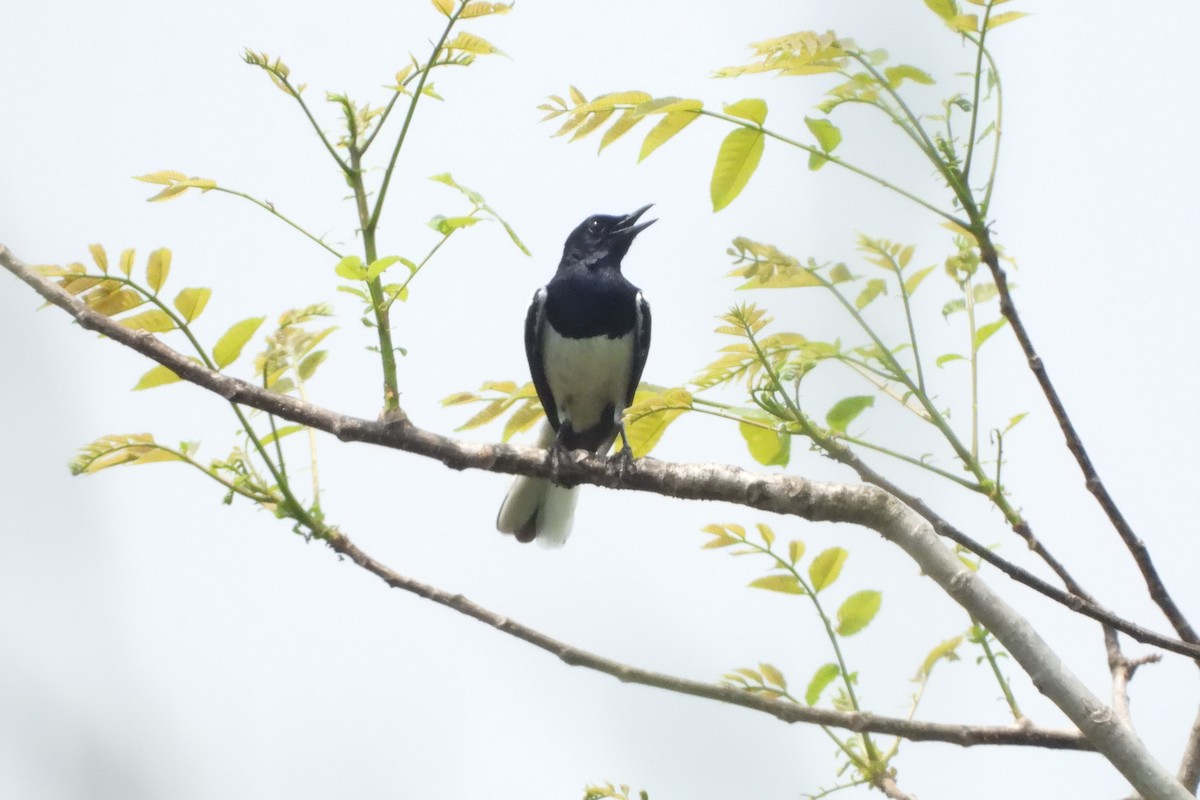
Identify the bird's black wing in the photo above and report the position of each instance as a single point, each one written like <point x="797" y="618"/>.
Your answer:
<point x="535" y="324"/>
<point x="641" y="347"/>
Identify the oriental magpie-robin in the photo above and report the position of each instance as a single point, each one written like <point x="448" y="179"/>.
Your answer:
<point x="587" y="335"/>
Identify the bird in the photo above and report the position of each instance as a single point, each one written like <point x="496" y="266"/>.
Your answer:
<point x="587" y="336"/>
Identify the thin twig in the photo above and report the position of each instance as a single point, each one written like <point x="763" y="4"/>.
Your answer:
<point x="1189" y="767"/>
<point x="1137" y="548"/>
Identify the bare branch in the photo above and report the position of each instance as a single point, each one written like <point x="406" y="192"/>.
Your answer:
<point x="784" y="710"/>
<point x="1122" y="674"/>
<point x="1137" y="548"/>
<point x="1189" y="768"/>
<point x="868" y="506"/>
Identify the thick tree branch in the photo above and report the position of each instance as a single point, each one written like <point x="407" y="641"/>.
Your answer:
<point x="1137" y="548"/>
<point x="783" y="494"/>
<point x="1189" y="767"/>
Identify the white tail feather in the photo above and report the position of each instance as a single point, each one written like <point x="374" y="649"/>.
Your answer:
<point x="537" y="506"/>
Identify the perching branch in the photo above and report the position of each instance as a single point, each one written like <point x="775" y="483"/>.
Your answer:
<point x="1137" y="548"/>
<point x="783" y="494"/>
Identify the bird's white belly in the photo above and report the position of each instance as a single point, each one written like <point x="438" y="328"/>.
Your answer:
<point x="587" y="375"/>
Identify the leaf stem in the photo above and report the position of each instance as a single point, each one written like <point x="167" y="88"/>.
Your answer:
<point x="270" y="207"/>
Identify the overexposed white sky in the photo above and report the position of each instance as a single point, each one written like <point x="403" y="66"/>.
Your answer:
<point x="155" y="643"/>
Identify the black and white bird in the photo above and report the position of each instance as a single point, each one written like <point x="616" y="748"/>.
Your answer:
<point x="587" y="335"/>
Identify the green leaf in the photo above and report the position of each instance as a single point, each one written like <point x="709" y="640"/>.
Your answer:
<point x="915" y="279"/>
<point x="351" y="268"/>
<point x="788" y="584"/>
<point x="190" y="302"/>
<point x="795" y="550"/>
<point x="841" y="273"/>
<point x="447" y="225"/>
<point x="736" y="161"/>
<point x="470" y="43"/>
<point x="946" y="9"/>
<point x="480" y="8"/>
<point x="873" y="289"/>
<point x="858" y="611"/>
<point x="944" y="651"/>
<point x="154" y="321"/>
<point x="816" y="161"/>
<point x="157" y="268"/>
<point x="845" y="410"/>
<point x="667" y="127"/>
<point x="967" y="23"/>
<point x="898" y="74"/>
<point x="377" y="267"/>
<point x="828" y="135"/>
<point x="667" y="105"/>
<point x="773" y="675"/>
<point x="768" y="535"/>
<point x="984" y="333"/>
<point x="1013" y="420"/>
<point x="824" y="676"/>
<point x="752" y="109"/>
<point x="118" y="302"/>
<point x="286" y="430"/>
<point x="826" y="567"/>
<point x="310" y="363"/>
<point x="768" y="447"/>
<point x="444" y="6"/>
<point x="948" y="357"/>
<point x="229" y="346"/>
<point x="157" y="376"/>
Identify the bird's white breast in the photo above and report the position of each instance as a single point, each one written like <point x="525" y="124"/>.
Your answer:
<point x="587" y="375"/>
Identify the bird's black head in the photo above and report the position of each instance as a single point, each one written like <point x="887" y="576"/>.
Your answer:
<point x="604" y="239"/>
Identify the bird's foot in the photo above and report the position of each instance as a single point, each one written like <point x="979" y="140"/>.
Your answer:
<point x="622" y="460"/>
<point x="557" y="455"/>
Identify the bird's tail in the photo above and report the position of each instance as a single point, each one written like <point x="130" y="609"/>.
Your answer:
<point x="536" y="508"/>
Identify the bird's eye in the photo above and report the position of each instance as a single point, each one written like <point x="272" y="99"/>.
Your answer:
<point x="594" y="225"/>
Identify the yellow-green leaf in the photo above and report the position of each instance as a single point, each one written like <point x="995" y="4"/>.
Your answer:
<point x="944" y="651"/>
<point x="795" y="550"/>
<point x="1003" y="19"/>
<point x="164" y="177"/>
<point x="522" y="420"/>
<point x="595" y="120"/>
<point x="828" y="135"/>
<point x="751" y="108"/>
<point x="736" y="161"/>
<point x="901" y="72"/>
<point x="157" y="268"/>
<point x="648" y="418"/>
<point x="154" y="321"/>
<point x="444" y="6"/>
<point x="351" y="268"/>
<point x="447" y="225"/>
<point x="482" y="9"/>
<point x="667" y="105"/>
<point x="667" y="127"/>
<point x="788" y="584"/>
<point x="773" y="675"/>
<point x="769" y="447"/>
<point x="858" y="611"/>
<point x="946" y="9"/>
<point x="820" y="679"/>
<point x="118" y="302"/>
<point x="157" y="376"/>
<point x="915" y="279"/>
<point x="99" y="256"/>
<point x="967" y="23"/>
<point x="619" y="128"/>
<point x="985" y="332"/>
<point x="826" y="567"/>
<point x="309" y="365"/>
<point x="470" y="43"/>
<point x="286" y="430"/>
<point x="845" y="410"/>
<point x="127" y="261"/>
<point x="768" y="535"/>
<point x="229" y="346"/>
<point x="608" y="102"/>
<point x="191" y="302"/>
<point x="874" y="288"/>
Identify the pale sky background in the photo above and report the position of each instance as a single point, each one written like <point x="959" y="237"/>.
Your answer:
<point x="157" y="644"/>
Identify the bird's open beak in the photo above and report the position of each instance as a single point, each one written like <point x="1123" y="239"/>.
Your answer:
<point x="628" y="226"/>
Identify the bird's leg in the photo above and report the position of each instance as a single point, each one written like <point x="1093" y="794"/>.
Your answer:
<point x="623" y="458"/>
<point x="556" y="453"/>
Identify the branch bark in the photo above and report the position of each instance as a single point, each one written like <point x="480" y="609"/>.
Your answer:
<point x="783" y="494"/>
